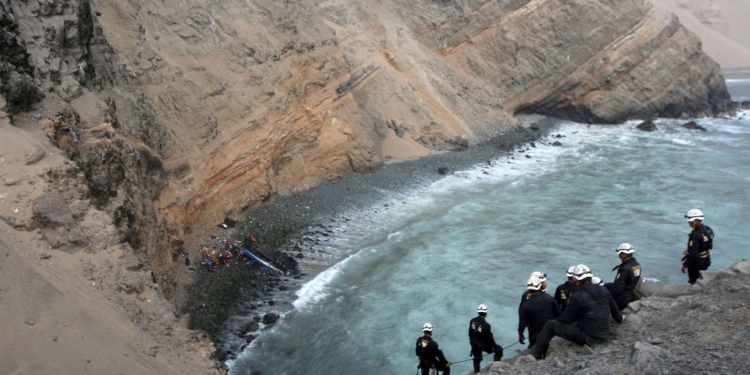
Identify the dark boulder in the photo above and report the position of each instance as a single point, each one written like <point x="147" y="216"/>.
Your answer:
<point x="460" y="140"/>
<point x="443" y="170"/>
<point x="647" y="126"/>
<point x="693" y="126"/>
<point x="250" y="327"/>
<point x="270" y="318"/>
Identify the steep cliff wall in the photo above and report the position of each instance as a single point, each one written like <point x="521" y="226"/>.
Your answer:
<point x="183" y="111"/>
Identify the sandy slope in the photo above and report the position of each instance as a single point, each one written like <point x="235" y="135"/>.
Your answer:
<point x="64" y="315"/>
<point x="722" y="25"/>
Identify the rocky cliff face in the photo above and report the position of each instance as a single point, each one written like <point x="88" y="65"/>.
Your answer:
<point x="180" y="112"/>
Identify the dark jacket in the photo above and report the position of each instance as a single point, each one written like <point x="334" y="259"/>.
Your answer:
<point x="535" y="311"/>
<point x="429" y="352"/>
<point x="480" y="333"/>
<point x="700" y="241"/>
<point x="591" y="307"/>
<point x="563" y="293"/>
<point x="628" y="276"/>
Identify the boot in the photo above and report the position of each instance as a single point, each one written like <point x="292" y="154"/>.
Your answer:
<point x="538" y="352"/>
<point x="476" y="364"/>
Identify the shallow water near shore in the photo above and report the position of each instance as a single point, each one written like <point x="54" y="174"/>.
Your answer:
<point x="437" y="251"/>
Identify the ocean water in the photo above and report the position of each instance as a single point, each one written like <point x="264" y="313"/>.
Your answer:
<point x="475" y="236"/>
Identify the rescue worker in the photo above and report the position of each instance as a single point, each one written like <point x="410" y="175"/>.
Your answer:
<point x="700" y="242"/>
<point x="538" y="308"/>
<point x="429" y="353"/>
<point x="586" y="318"/>
<point x="628" y="276"/>
<point x="543" y="277"/>
<point x="204" y="254"/>
<point x="565" y="290"/>
<point x="481" y="339"/>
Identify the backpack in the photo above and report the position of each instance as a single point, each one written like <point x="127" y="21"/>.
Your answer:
<point x="708" y="238"/>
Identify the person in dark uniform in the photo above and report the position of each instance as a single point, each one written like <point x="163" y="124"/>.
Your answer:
<point x="429" y="353"/>
<point x="481" y="339"/>
<point x="585" y="320"/>
<point x="565" y="290"/>
<point x="700" y="242"/>
<point x="628" y="277"/>
<point x="543" y="277"/>
<point x="538" y="308"/>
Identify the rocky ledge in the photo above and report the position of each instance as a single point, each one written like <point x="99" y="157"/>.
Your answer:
<point x="672" y="329"/>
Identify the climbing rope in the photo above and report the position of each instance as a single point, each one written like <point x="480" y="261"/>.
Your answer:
<point x="470" y="358"/>
<point x="434" y="371"/>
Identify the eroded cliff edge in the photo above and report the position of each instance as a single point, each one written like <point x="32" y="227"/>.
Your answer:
<point x="181" y="112"/>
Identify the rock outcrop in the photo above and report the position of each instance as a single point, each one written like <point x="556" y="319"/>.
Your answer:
<point x="675" y="329"/>
<point x="17" y="88"/>
<point x="182" y="112"/>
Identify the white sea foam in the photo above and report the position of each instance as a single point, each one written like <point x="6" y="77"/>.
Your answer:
<point x="317" y="288"/>
<point x="682" y="142"/>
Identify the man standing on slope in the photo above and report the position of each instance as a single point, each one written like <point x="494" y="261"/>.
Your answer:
<point x="538" y="308"/>
<point x="565" y="290"/>
<point x="628" y="276"/>
<point x="429" y="353"/>
<point x="700" y="242"/>
<point x="481" y="339"/>
<point x="586" y="318"/>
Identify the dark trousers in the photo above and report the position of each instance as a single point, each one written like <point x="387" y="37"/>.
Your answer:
<point x="624" y="299"/>
<point x="477" y="352"/>
<point x="695" y="267"/>
<point x="552" y="328"/>
<point x="532" y="341"/>
<point x="426" y="366"/>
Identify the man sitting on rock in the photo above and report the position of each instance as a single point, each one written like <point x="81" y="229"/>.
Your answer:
<point x="628" y="276"/>
<point x="566" y="289"/>
<point x="586" y="318"/>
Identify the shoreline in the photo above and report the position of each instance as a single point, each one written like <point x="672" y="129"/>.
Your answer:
<point x="299" y="225"/>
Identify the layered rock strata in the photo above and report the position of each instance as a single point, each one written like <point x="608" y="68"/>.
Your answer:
<point x="182" y="112"/>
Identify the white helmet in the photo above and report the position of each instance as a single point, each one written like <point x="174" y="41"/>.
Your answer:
<point x="570" y="271"/>
<point x="581" y="272"/>
<point x="541" y="275"/>
<point x="625" y="248"/>
<point x="694" y="214"/>
<point x="534" y="283"/>
<point x="427" y="327"/>
<point x="596" y="280"/>
<point x="482" y="309"/>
